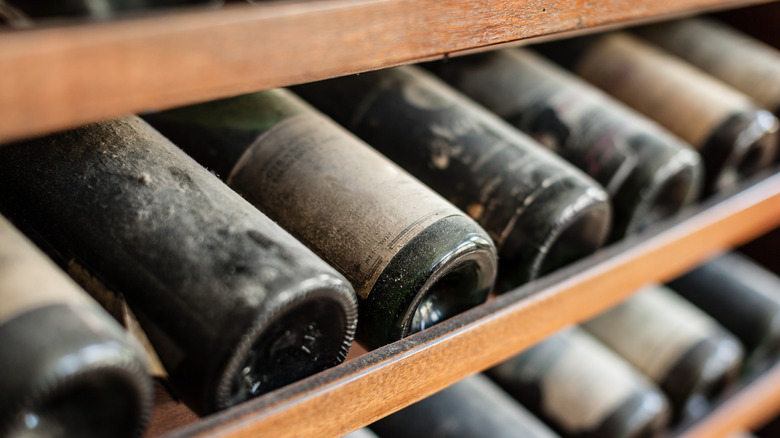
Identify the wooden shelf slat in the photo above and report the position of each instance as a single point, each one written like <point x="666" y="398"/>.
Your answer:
<point x="380" y="382"/>
<point x="60" y="77"/>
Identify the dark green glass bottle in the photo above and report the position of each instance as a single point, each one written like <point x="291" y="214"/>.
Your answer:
<point x="540" y="211"/>
<point x="233" y="305"/>
<point x="66" y="368"/>
<point x="735" y="138"/>
<point x="473" y="407"/>
<point x="648" y="173"/>
<point x="744" y="298"/>
<point x="677" y="346"/>
<point x="413" y="258"/>
<point x="582" y="389"/>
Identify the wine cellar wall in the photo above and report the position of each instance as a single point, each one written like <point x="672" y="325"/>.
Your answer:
<point x="334" y="162"/>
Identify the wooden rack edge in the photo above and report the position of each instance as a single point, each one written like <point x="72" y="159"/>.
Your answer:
<point x="355" y="394"/>
<point x="59" y="77"/>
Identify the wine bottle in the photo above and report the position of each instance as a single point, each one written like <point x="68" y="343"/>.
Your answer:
<point x="12" y="17"/>
<point x="38" y="9"/>
<point x="473" y="407"/>
<point x="361" y="433"/>
<point x="676" y="345"/>
<point x="743" y="62"/>
<point x="735" y="138"/>
<point x="541" y="212"/>
<point x="581" y="389"/>
<point x="744" y="298"/>
<point x="648" y="173"/>
<point x="413" y="258"/>
<point x="67" y="368"/>
<point x="233" y="305"/>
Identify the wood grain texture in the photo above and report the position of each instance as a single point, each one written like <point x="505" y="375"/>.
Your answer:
<point x="380" y="382"/>
<point x="168" y="414"/>
<point x="59" y="77"/>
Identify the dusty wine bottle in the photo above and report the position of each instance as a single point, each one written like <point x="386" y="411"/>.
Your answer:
<point x="581" y="389"/>
<point x="744" y="298"/>
<point x="67" y="368"/>
<point x="541" y="212"/>
<point x="739" y="60"/>
<point x="648" y="173"/>
<point x="674" y="344"/>
<point x="233" y="304"/>
<point x="473" y="407"/>
<point x="38" y="9"/>
<point x="413" y="258"/>
<point x="735" y="138"/>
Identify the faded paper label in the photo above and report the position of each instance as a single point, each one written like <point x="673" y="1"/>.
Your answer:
<point x="28" y="279"/>
<point x="652" y="330"/>
<point x="683" y="99"/>
<point x="585" y="384"/>
<point x="349" y="204"/>
<point x="743" y="62"/>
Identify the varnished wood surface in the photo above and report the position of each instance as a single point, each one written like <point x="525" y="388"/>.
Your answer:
<point x="59" y="77"/>
<point x="168" y="414"/>
<point x="380" y="382"/>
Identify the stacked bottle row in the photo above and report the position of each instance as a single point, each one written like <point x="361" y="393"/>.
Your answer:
<point x="23" y="13"/>
<point x="652" y="362"/>
<point x="250" y="283"/>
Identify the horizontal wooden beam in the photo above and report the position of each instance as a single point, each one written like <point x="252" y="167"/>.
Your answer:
<point x="59" y="77"/>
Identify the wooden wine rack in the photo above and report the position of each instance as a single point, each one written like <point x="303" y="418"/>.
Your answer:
<point x="57" y="77"/>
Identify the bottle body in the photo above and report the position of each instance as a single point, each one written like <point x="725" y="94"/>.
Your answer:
<point x="743" y="297"/>
<point x="68" y="368"/>
<point x="744" y="63"/>
<point x="94" y="9"/>
<point x="674" y="344"/>
<point x="413" y="258"/>
<point x="361" y="433"/>
<point x="540" y="212"/>
<point x="735" y="138"/>
<point x="648" y="173"/>
<point x="472" y="407"/>
<point x="582" y="389"/>
<point x="233" y="305"/>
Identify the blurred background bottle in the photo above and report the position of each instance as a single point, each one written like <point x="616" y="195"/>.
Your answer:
<point x="473" y="407"/>
<point x="739" y="60"/>
<point x="676" y="345"/>
<point x="648" y="173"/>
<point x="582" y="389"/>
<point x="96" y="9"/>
<point x="735" y="138"/>
<point x="744" y="298"/>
